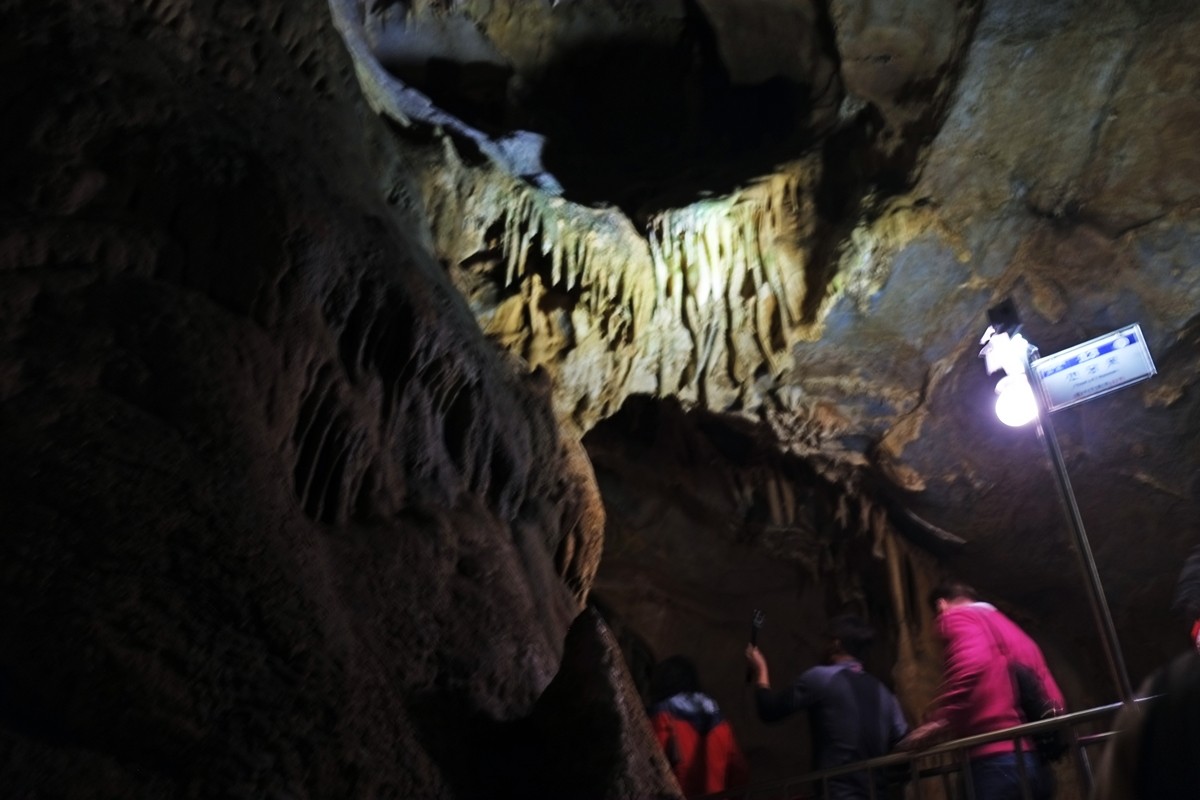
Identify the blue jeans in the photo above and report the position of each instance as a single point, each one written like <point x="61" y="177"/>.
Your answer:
<point x="999" y="778"/>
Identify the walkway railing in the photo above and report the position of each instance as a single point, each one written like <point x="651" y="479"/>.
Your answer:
<point x="943" y="771"/>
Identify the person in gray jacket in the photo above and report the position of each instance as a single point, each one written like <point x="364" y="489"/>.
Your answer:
<point x="853" y="716"/>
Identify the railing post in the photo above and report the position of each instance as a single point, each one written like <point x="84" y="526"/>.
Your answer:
<point x="1104" y="620"/>
<point x="1022" y="770"/>
<point x="967" y="778"/>
<point x="1083" y="765"/>
<point x="948" y="761"/>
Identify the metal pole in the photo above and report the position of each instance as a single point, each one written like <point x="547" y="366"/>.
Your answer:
<point x="1104" y="621"/>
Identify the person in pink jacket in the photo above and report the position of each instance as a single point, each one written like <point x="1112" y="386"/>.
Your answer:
<point x="978" y="693"/>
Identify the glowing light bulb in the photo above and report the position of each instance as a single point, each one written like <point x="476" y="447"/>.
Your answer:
<point x="1015" y="405"/>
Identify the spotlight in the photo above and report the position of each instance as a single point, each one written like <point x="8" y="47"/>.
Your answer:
<point x="1015" y="405"/>
<point x="1022" y="398"/>
<point x="1006" y="350"/>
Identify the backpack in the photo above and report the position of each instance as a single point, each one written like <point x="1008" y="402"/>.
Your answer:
<point x="1033" y="704"/>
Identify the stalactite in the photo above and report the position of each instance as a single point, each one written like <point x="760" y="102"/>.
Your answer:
<point x="842" y="514"/>
<point x="773" y="504"/>
<point x="788" y="498"/>
<point x="711" y="270"/>
<point x="880" y="530"/>
<point x="575" y="243"/>
<point x="865" y="507"/>
<point x="707" y="251"/>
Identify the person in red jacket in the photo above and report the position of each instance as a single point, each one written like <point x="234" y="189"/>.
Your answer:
<point x="696" y="739"/>
<point x="978" y="694"/>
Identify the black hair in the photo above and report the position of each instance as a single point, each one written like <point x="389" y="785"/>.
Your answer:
<point x="1187" y="588"/>
<point x="1167" y="768"/>
<point x="672" y="676"/>
<point x="952" y="590"/>
<point x="852" y="633"/>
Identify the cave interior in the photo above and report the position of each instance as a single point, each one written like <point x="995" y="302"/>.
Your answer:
<point x="386" y="386"/>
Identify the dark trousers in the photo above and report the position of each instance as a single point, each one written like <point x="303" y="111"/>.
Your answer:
<point x="998" y="777"/>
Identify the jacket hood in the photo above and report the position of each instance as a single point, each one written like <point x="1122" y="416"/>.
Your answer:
<point x="696" y="708"/>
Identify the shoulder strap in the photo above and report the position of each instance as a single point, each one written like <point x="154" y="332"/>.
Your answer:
<point x="1026" y="683"/>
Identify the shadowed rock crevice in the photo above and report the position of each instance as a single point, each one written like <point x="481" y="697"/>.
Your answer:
<point x="707" y="522"/>
<point x="644" y="110"/>
<point x="646" y="130"/>
<point x="579" y="739"/>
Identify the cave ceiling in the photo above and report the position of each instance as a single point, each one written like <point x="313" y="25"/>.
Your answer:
<point x="347" y="345"/>
<point x="797" y="214"/>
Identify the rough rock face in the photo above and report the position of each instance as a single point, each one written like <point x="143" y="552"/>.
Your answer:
<point x="278" y="521"/>
<point x="952" y="154"/>
<point x="309" y="312"/>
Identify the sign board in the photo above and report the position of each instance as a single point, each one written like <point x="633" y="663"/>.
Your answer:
<point x="1095" y="367"/>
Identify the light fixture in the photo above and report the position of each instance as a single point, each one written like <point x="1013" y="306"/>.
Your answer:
<point x="1006" y="350"/>
<point x="1015" y="405"/>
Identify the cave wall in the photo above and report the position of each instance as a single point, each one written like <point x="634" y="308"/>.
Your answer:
<point x="297" y="361"/>
<point x="1062" y="174"/>
<point x="965" y="152"/>
<point x="277" y="520"/>
<point x="708" y="522"/>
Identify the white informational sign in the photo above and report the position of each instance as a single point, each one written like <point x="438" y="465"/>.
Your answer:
<point x="1093" y="368"/>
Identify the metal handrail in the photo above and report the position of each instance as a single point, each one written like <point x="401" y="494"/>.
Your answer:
<point x="955" y="746"/>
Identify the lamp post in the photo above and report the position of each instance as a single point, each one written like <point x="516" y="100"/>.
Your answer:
<point x="1022" y="399"/>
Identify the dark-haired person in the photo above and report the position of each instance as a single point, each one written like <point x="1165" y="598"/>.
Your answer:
<point x="978" y="693"/>
<point x="697" y="740"/>
<point x="852" y="714"/>
<point x="1154" y="751"/>
<point x="1187" y="594"/>
<point x="1153" y="754"/>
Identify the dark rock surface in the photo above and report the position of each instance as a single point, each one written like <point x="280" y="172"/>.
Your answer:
<point x="308" y="347"/>
<point x="277" y="520"/>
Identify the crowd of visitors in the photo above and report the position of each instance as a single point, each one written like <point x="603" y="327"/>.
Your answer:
<point x="990" y="668"/>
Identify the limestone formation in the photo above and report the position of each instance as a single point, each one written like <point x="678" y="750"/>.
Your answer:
<point x="350" y="350"/>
